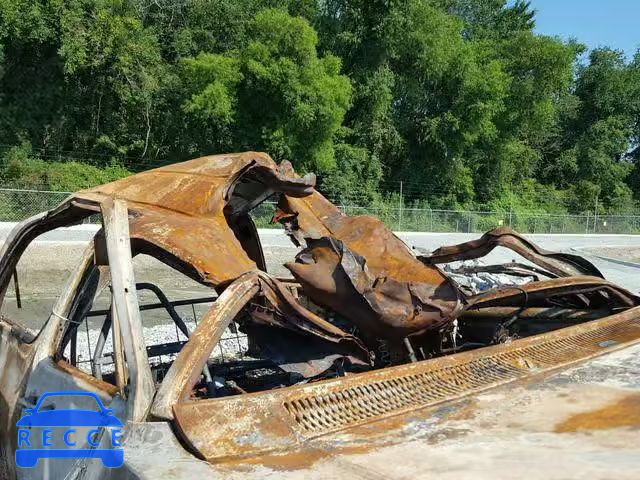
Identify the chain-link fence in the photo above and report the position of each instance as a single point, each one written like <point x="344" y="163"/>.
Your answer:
<point x="464" y="221"/>
<point x="16" y="205"/>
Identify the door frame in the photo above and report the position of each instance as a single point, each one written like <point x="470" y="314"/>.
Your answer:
<point x="140" y="389"/>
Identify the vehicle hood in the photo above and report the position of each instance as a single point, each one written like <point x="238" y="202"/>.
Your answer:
<point x="582" y="421"/>
<point x="504" y="389"/>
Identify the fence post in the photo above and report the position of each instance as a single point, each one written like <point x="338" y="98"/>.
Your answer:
<point x="430" y="220"/>
<point x="595" y="215"/>
<point x="586" y="228"/>
<point x="400" y="211"/>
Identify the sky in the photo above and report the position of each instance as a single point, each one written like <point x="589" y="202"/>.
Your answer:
<point x="613" y="23"/>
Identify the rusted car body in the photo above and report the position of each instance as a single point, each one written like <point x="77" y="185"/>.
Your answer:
<point x="376" y="349"/>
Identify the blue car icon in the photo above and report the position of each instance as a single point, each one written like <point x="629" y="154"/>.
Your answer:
<point x="100" y="420"/>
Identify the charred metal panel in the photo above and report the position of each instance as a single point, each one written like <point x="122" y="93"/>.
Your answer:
<point x="187" y="210"/>
<point x="560" y="264"/>
<point x="356" y="266"/>
<point x="278" y="420"/>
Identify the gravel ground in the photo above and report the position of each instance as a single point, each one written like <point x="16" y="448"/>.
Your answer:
<point x="627" y="253"/>
<point x="231" y="346"/>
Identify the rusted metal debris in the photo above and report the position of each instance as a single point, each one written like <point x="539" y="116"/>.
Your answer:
<point x="344" y="403"/>
<point x="359" y="300"/>
<point x="557" y="264"/>
<point x="393" y="306"/>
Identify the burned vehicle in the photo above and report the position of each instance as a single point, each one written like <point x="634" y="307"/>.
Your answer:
<point x="363" y="331"/>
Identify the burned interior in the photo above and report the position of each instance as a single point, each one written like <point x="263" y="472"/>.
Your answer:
<point x="357" y="299"/>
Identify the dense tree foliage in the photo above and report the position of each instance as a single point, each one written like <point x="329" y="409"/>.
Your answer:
<point x="457" y="99"/>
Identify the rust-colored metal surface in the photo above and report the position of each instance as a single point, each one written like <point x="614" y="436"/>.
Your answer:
<point x="277" y="420"/>
<point x="15" y="360"/>
<point x="109" y="389"/>
<point x="583" y="417"/>
<point x="185" y="210"/>
<point x="191" y="215"/>
<point x="561" y="264"/>
<point x="359" y="268"/>
<point x="389" y="305"/>
<point x="620" y="414"/>
<point x="366" y="333"/>
<point x="187" y="368"/>
<point x="590" y="292"/>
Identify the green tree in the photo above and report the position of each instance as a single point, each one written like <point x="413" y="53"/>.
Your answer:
<point x="605" y="125"/>
<point x="93" y="73"/>
<point x="274" y="93"/>
<point x="491" y="18"/>
<point x="600" y="152"/>
<point x="459" y="99"/>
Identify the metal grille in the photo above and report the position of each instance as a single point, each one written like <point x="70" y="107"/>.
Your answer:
<point x="344" y="407"/>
